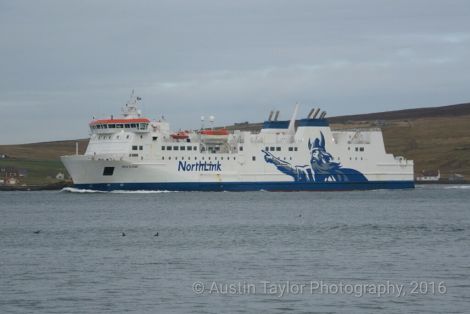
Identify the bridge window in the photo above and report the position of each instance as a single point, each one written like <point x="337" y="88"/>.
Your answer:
<point x="175" y="147"/>
<point x="278" y="149"/>
<point x="295" y="149"/>
<point x="253" y="158"/>
<point x="168" y="148"/>
<point x="141" y="148"/>
<point x="291" y="149"/>
<point x="195" y="147"/>
<point x="127" y="126"/>
<point x="134" y="147"/>
<point x="361" y="149"/>
<point x="163" y="147"/>
<point x="356" y="149"/>
<point x="118" y="126"/>
<point x="272" y="148"/>
<point x="143" y="126"/>
<point x="190" y="148"/>
<point x="182" y="147"/>
<point x="241" y="148"/>
<point x="112" y="126"/>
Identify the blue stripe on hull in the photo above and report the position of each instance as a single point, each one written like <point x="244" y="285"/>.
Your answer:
<point x="250" y="186"/>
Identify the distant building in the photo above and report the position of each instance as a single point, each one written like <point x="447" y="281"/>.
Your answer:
<point x="429" y="176"/>
<point x="9" y="172"/>
<point x="60" y="176"/>
<point x="3" y="156"/>
<point x="455" y="177"/>
<point x="11" y="181"/>
<point x="22" y="173"/>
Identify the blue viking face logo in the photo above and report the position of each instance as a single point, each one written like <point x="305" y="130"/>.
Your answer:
<point x="321" y="168"/>
<point x="318" y="153"/>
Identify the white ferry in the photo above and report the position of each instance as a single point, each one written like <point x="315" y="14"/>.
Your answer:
<point x="134" y="153"/>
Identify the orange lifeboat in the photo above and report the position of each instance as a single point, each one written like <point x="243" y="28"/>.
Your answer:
<point x="181" y="135"/>
<point x="220" y="132"/>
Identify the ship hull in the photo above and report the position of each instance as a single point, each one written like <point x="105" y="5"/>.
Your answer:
<point x="248" y="186"/>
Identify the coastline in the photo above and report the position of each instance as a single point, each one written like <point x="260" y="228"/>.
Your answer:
<point x="26" y="188"/>
<point x="60" y="186"/>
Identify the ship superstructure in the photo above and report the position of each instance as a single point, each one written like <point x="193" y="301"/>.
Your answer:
<point x="132" y="152"/>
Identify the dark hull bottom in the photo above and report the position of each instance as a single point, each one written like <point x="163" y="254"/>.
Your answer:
<point x="249" y="186"/>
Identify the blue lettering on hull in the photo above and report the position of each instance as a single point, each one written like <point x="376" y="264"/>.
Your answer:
<point x="199" y="166"/>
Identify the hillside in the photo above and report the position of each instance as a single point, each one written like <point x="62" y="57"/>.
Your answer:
<point x="435" y="138"/>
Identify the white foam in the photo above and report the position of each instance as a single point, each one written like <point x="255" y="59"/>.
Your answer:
<point x="75" y="190"/>
<point x="142" y="191"/>
<point x="458" y="187"/>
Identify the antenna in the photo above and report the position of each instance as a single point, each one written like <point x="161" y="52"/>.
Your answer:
<point x="291" y="129"/>
<point x="211" y="120"/>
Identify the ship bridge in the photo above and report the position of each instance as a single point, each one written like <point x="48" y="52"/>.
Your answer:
<point x="107" y="126"/>
<point x="131" y="121"/>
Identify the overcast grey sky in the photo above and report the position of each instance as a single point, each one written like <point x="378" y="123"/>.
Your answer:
<point x="63" y="62"/>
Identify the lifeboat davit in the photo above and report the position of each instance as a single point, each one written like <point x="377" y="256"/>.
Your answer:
<point x="181" y="135"/>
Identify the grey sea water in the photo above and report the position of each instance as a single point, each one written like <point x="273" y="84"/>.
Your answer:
<point x="227" y="252"/>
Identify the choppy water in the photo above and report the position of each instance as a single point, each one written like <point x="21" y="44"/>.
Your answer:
<point x="79" y="262"/>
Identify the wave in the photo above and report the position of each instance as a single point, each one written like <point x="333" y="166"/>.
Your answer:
<point x="75" y="190"/>
<point x="457" y="187"/>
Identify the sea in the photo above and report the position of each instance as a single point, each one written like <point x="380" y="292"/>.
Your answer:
<point x="400" y="251"/>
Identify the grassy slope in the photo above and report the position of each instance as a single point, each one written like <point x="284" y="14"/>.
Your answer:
<point x="41" y="159"/>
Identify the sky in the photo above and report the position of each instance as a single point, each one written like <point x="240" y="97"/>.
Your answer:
<point x="64" y="62"/>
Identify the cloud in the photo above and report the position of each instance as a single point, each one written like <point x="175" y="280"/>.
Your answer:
<point x="64" y="62"/>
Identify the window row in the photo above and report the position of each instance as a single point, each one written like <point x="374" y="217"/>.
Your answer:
<point x="179" y="148"/>
<point x="108" y="137"/>
<point x="202" y="158"/>
<point x="139" y="126"/>
<point x="357" y="149"/>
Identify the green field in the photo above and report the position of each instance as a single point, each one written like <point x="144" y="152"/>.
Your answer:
<point x="40" y="172"/>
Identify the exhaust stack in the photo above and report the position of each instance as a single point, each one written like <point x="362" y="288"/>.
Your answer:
<point x="276" y="116"/>
<point x="271" y="115"/>
<point x="310" y="113"/>
<point x="316" y="113"/>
